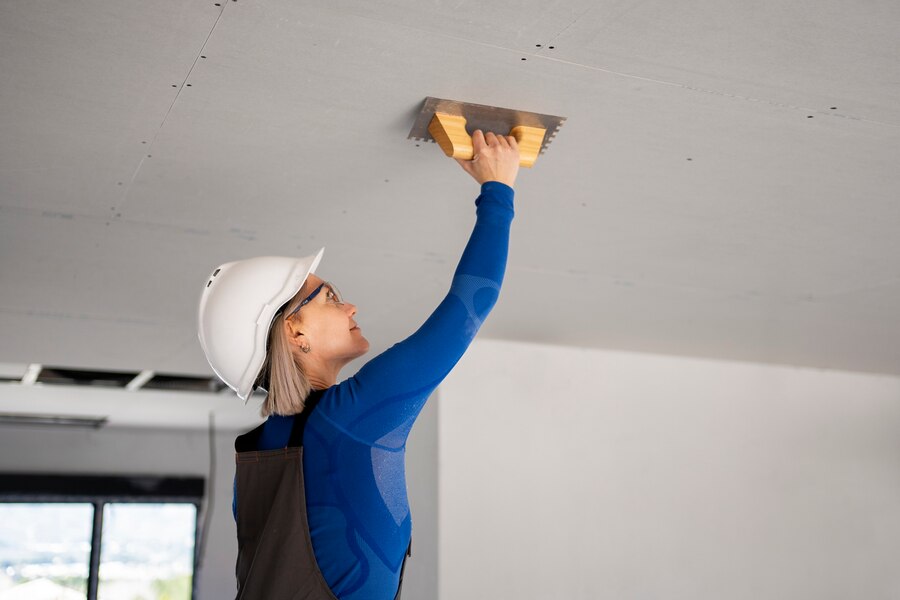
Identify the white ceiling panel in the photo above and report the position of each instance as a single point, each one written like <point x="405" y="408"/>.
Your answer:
<point x="85" y="86"/>
<point x="802" y="55"/>
<point x="703" y="197"/>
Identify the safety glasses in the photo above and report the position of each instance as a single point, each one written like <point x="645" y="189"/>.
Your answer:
<point x="333" y="297"/>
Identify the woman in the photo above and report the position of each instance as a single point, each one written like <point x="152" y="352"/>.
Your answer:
<point x="320" y="489"/>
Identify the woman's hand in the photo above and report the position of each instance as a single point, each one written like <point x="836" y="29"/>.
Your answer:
<point x="496" y="158"/>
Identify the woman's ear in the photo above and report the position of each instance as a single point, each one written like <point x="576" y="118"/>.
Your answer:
<point x="296" y="338"/>
<point x="292" y="330"/>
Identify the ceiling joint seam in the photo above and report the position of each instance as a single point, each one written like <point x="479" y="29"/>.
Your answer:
<point x="172" y="105"/>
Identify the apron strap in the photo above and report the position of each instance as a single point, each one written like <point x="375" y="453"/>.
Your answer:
<point x="249" y="442"/>
<point x="403" y="568"/>
<point x="296" y="439"/>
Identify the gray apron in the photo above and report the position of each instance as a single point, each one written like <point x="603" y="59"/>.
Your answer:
<point x="275" y="555"/>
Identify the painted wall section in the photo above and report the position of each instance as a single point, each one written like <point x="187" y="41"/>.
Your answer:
<point x="571" y="473"/>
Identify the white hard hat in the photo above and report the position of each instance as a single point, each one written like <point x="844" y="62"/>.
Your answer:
<point x="236" y="310"/>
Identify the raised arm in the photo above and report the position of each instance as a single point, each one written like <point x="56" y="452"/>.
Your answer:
<point x="389" y="391"/>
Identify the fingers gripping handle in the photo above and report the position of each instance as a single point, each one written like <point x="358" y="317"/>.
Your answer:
<point x="449" y="131"/>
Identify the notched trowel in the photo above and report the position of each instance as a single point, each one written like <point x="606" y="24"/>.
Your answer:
<point x="448" y="122"/>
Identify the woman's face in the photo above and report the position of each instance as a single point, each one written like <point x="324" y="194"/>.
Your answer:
<point x="328" y="326"/>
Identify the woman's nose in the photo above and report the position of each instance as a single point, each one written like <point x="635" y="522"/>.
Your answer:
<point x="350" y="308"/>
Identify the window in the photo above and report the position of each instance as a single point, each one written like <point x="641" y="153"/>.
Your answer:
<point x="45" y="547"/>
<point x="147" y="551"/>
<point x="98" y="538"/>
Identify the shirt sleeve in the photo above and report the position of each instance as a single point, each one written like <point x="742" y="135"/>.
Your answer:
<point x="389" y="391"/>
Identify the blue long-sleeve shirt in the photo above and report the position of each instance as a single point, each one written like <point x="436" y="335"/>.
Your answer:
<point x="355" y="438"/>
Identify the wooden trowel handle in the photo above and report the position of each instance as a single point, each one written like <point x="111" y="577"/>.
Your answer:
<point x="449" y="131"/>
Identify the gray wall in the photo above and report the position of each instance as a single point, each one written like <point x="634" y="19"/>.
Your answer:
<point x="582" y="474"/>
<point x="186" y="452"/>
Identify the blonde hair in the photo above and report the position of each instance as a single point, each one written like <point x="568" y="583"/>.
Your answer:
<point x="282" y="374"/>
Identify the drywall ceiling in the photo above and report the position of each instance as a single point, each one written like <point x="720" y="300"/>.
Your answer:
<point x="726" y="184"/>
